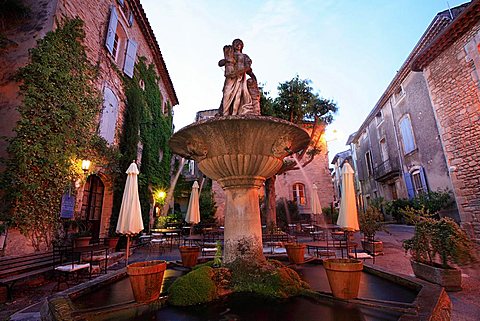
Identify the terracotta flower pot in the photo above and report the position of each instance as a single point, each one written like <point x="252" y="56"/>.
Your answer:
<point x="344" y="277"/>
<point x="146" y="279"/>
<point x="112" y="242"/>
<point x="81" y="241"/>
<point x="189" y="255"/>
<point x="295" y="252"/>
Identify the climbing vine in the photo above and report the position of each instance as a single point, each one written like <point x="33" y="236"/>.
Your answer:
<point x="55" y="130"/>
<point x="144" y="122"/>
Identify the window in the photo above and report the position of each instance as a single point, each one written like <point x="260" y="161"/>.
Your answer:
<point x="384" y="149"/>
<point x="108" y="120"/>
<point x="416" y="182"/>
<point x="398" y="95"/>
<point x="299" y="194"/>
<point x="122" y="49"/>
<point x="379" y="117"/>
<point x="407" y="134"/>
<point x="369" y="163"/>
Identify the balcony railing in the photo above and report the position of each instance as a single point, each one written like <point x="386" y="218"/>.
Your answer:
<point x="386" y="170"/>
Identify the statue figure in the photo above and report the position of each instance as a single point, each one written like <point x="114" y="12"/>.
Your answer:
<point x="240" y="95"/>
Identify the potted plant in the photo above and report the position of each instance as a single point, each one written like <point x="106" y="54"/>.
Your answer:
<point x="343" y="277"/>
<point x="370" y="223"/>
<point x="436" y="246"/>
<point x="112" y="239"/>
<point x="295" y="252"/>
<point x="83" y="234"/>
<point x="189" y="255"/>
<point x="146" y="279"/>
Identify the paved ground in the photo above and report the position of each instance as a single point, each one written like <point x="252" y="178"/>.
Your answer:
<point x="466" y="305"/>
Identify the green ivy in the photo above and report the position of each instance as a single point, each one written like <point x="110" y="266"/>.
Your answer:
<point x="144" y="122"/>
<point x="57" y="119"/>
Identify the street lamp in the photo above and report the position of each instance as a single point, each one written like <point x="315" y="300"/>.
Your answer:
<point x="86" y="165"/>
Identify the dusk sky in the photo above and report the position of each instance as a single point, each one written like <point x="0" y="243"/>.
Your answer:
<point x="349" y="49"/>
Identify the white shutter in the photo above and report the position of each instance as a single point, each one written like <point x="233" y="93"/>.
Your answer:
<point x="130" y="58"/>
<point x="108" y="120"/>
<point x="112" y="28"/>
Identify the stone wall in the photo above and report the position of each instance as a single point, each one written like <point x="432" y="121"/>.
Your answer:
<point x="453" y="79"/>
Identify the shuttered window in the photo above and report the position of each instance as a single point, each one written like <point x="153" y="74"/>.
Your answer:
<point x="112" y="29"/>
<point x="130" y="58"/>
<point x="416" y="182"/>
<point x="299" y="194"/>
<point x="108" y="120"/>
<point x="407" y="134"/>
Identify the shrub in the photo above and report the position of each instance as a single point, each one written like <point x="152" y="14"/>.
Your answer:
<point x="371" y="222"/>
<point x="331" y="217"/>
<point x="193" y="288"/>
<point x="440" y="242"/>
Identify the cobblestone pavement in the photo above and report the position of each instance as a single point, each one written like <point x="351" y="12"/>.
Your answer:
<point x="466" y="305"/>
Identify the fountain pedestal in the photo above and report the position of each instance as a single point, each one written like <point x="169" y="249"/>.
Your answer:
<point x="240" y="152"/>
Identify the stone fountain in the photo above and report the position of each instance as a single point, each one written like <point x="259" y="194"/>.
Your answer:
<point x="240" y="152"/>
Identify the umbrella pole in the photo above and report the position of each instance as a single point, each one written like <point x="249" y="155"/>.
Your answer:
<point x="128" y="249"/>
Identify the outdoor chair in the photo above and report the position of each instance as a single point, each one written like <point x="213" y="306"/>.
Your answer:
<point x="68" y="268"/>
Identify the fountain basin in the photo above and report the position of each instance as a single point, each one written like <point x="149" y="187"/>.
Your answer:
<point x="382" y="296"/>
<point x="239" y="150"/>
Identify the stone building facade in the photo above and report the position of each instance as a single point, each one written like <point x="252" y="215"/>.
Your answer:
<point x="117" y="34"/>
<point x="451" y="65"/>
<point x="398" y="150"/>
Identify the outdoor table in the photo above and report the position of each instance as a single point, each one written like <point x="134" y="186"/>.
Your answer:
<point x="170" y="234"/>
<point x="321" y="248"/>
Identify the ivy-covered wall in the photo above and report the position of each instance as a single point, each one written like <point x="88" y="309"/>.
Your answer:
<point x="55" y="131"/>
<point x="144" y="122"/>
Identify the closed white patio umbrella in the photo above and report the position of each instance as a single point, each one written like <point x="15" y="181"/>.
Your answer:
<point x="348" y="216"/>
<point x="315" y="201"/>
<point x="193" y="210"/>
<point x="130" y="218"/>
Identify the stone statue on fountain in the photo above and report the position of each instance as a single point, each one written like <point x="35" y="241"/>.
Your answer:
<point x="241" y="95"/>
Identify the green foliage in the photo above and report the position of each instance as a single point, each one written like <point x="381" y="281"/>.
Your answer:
<point x="193" y="288"/>
<point x="331" y="217"/>
<point x="217" y="260"/>
<point x="287" y="212"/>
<point x="440" y="241"/>
<point x="207" y="204"/>
<point x="55" y="130"/>
<point x="371" y="222"/>
<point x="144" y="122"/>
<point x="296" y="102"/>
<point x="271" y="280"/>
<point x="431" y="203"/>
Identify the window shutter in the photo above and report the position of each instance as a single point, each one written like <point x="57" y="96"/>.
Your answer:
<point x="108" y="120"/>
<point x="130" y="58"/>
<point x="112" y="28"/>
<point x="407" y="135"/>
<point x="121" y="2"/>
<point x="409" y="184"/>
<point x="424" y="180"/>
<point x="130" y="19"/>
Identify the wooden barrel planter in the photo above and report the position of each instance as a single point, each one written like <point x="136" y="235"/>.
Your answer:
<point x="146" y="279"/>
<point x="344" y="277"/>
<point x="295" y="252"/>
<point x="189" y="255"/>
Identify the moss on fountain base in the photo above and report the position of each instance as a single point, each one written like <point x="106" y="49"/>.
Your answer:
<point x="205" y="284"/>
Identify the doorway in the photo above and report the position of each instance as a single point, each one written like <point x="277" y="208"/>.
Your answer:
<point x="92" y="203"/>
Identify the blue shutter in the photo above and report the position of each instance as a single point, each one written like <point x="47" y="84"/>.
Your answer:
<point x="407" y="135"/>
<point x="130" y="19"/>
<point x="112" y="28"/>
<point x="130" y="58"/>
<point x="424" y="180"/>
<point x="108" y="120"/>
<point x="409" y="184"/>
<point x="121" y="2"/>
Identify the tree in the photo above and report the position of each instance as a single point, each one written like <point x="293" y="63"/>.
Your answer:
<point x="297" y="103"/>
